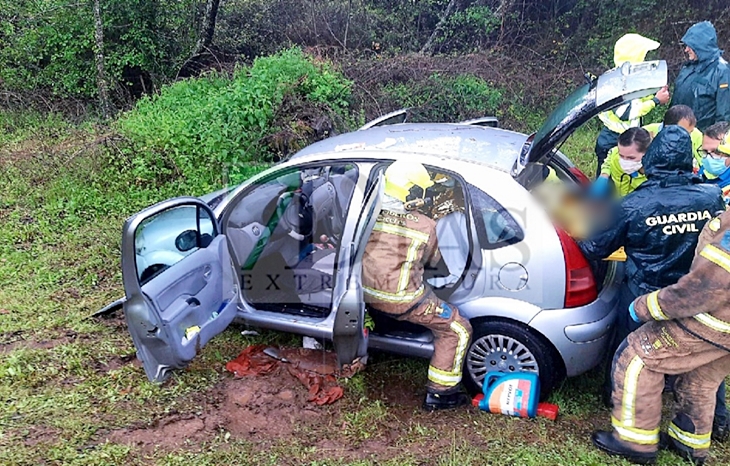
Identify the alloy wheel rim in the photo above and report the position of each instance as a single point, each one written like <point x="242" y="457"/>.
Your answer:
<point x="499" y="353"/>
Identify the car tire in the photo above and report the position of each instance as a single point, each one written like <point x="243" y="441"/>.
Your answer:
<point x="510" y="347"/>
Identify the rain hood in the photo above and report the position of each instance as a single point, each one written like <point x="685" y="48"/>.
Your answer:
<point x="632" y="48"/>
<point x="702" y="38"/>
<point x="670" y="153"/>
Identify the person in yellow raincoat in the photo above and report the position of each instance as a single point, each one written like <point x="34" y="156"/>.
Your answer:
<point x="630" y="48"/>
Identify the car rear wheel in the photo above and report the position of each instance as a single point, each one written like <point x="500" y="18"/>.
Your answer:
<point x="509" y="348"/>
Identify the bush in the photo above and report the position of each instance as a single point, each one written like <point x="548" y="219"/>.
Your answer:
<point x="202" y="131"/>
<point x="449" y="99"/>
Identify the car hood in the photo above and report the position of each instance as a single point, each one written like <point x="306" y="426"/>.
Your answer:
<point x="611" y="89"/>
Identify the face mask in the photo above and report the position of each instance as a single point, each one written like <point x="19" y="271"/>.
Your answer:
<point x="714" y="166"/>
<point x="629" y="166"/>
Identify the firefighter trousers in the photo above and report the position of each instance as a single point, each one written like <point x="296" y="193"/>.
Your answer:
<point x="451" y="336"/>
<point x="639" y="366"/>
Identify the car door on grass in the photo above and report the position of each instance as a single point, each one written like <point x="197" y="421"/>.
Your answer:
<point x="180" y="287"/>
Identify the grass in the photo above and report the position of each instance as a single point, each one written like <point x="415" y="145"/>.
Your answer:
<point x="67" y="381"/>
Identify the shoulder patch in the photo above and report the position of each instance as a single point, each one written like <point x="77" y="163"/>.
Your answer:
<point x="725" y="243"/>
<point x="714" y="224"/>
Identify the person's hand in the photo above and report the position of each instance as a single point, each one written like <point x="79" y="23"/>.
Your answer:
<point x="599" y="188"/>
<point x="663" y="95"/>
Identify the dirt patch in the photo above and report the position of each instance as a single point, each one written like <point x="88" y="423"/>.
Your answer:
<point x="16" y="340"/>
<point x="38" y="435"/>
<point x="256" y="408"/>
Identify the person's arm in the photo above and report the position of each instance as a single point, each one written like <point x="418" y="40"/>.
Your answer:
<point x="722" y="98"/>
<point x="708" y="277"/>
<point x="642" y="107"/>
<point x="607" y="240"/>
<point x="703" y="290"/>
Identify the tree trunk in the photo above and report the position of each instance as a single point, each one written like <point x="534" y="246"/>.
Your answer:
<point x="428" y="46"/>
<point x="208" y="30"/>
<point x="101" y="80"/>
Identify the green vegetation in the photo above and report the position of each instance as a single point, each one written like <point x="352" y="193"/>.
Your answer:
<point x="204" y="131"/>
<point x="276" y="77"/>
<point x="446" y="98"/>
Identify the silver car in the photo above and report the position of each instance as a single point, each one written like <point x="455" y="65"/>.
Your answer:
<point x="282" y="250"/>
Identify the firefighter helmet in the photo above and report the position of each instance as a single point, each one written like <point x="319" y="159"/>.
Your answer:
<point x="402" y="175"/>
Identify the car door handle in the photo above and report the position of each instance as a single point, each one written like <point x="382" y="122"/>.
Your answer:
<point x="193" y="301"/>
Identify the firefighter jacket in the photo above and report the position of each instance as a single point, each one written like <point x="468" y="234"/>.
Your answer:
<point x="702" y="84"/>
<point x="401" y="244"/>
<point x="698" y="302"/>
<point x="659" y="223"/>
<point x="623" y="182"/>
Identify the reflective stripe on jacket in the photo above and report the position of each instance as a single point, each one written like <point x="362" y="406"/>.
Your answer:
<point x="399" y="247"/>
<point x="628" y="115"/>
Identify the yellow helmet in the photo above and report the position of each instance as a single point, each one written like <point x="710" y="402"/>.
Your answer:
<point x="632" y="48"/>
<point x="402" y="175"/>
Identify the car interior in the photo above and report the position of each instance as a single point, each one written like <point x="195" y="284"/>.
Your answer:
<point x="285" y="235"/>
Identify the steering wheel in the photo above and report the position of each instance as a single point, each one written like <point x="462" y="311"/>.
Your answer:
<point x="296" y="219"/>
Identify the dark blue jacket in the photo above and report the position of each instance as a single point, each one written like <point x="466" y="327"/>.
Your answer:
<point x="659" y="223"/>
<point x="702" y="84"/>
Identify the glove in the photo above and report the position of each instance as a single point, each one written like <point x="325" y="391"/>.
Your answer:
<point x="599" y="188"/>
<point x="632" y="313"/>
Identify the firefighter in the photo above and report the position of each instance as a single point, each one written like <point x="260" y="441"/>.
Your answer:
<point x="657" y="224"/>
<point x="687" y="335"/>
<point x="402" y="243"/>
<point x="703" y="81"/>
<point x="630" y="48"/>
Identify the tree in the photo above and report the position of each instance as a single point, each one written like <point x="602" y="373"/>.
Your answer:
<point x="101" y="79"/>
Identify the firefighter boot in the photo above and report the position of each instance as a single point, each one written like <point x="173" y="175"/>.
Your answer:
<point x="605" y="441"/>
<point x="445" y="400"/>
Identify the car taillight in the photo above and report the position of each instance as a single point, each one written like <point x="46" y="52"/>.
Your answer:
<point x="580" y="286"/>
<point x="582" y="178"/>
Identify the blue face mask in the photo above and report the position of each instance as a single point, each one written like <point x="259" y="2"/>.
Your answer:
<point x="714" y="166"/>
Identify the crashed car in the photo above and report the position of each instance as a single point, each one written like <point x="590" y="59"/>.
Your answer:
<point x="283" y="250"/>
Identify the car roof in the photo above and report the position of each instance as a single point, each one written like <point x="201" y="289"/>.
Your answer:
<point x="495" y="147"/>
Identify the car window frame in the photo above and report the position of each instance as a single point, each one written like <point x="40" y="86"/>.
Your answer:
<point x="481" y="228"/>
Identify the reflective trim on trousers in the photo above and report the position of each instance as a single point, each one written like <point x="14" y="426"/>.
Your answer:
<point x="461" y="346"/>
<point x="635" y="435"/>
<point x="445" y="378"/>
<point x="654" y="308"/>
<point x="694" y="441"/>
<point x="631" y="382"/>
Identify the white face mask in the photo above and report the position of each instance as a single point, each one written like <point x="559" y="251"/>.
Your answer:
<point x="629" y="166"/>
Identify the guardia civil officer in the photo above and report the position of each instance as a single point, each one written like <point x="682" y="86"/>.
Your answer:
<point x="704" y="80"/>
<point x="657" y="224"/>
<point x="402" y="243"/>
<point x="687" y="333"/>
